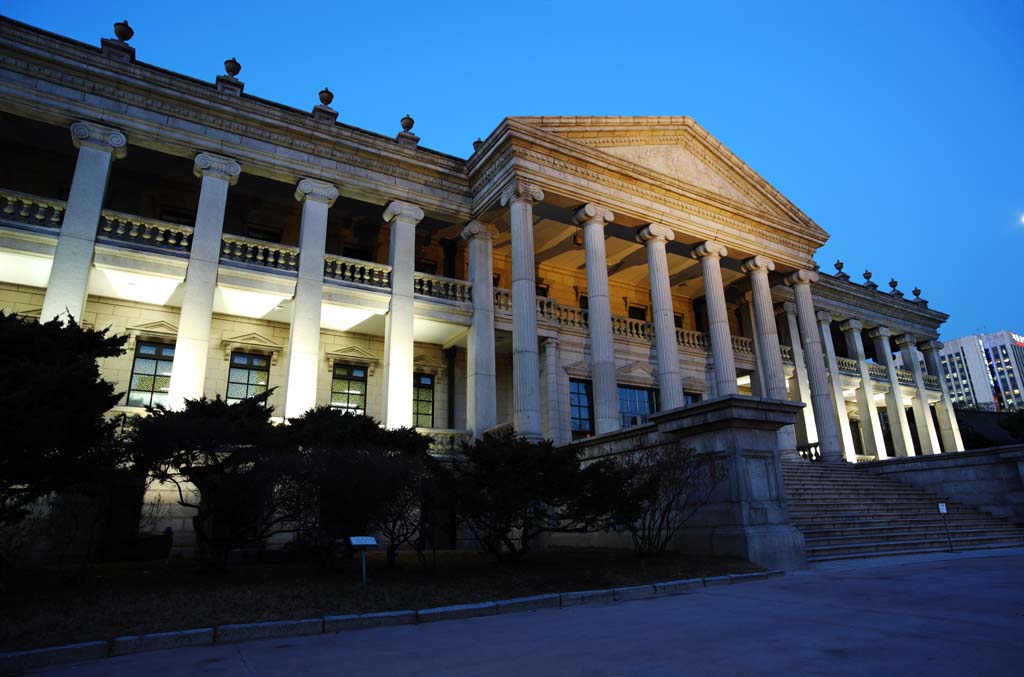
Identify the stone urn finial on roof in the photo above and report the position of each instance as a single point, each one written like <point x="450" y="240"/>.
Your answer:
<point x="839" y="270"/>
<point x="123" y="31"/>
<point x="407" y="123"/>
<point x="867" y="275"/>
<point x="326" y="97"/>
<point x="476" y="144"/>
<point x="893" y="283"/>
<point x="232" y="67"/>
<point x="839" y="265"/>
<point x="916" y="291"/>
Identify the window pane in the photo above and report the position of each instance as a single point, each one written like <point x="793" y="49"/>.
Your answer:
<point x="147" y="349"/>
<point x="238" y="358"/>
<point x="162" y="383"/>
<point x="160" y="399"/>
<point x="238" y="375"/>
<point x="138" y="399"/>
<point x="236" y="390"/>
<point x="258" y="377"/>
<point x="163" y="367"/>
<point x="144" y="366"/>
<point x="142" y="382"/>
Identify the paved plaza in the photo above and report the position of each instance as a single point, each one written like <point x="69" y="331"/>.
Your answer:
<point x="939" y="615"/>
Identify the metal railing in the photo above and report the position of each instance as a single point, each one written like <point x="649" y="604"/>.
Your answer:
<point x="32" y="210"/>
<point x="446" y="288"/>
<point x="259" y="253"/>
<point x="357" y="272"/>
<point x="142" y="230"/>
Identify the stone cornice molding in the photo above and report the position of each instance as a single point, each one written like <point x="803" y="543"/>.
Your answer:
<point x="758" y="263"/>
<point x="521" y="191"/>
<point x="100" y="137"/>
<point x="403" y="211"/>
<point x="824" y="317"/>
<point x="476" y="229"/>
<point x="707" y="249"/>
<point x="591" y="213"/>
<point x="906" y="339"/>
<point x="880" y="332"/>
<point x="217" y="166"/>
<point x="314" y="189"/>
<point x="655" y="232"/>
<point x="851" y="325"/>
<point x="801" y="277"/>
<point x="932" y="344"/>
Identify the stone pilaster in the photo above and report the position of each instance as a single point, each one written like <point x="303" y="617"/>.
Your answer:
<point x="98" y="146"/>
<point x="552" y="409"/>
<point x="870" y="425"/>
<point x="192" y="345"/>
<point x="670" y="380"/>
<point x="948" y="427"/>
<point x="710" y="254"/>
<point x="824" y="419"/>
<point x="481" y="376"/>
<point x="592" y="219"/>
<point x="842" y="418"/>
<point x="800" y="389"/>
<point x="304" y="332"/>
<point x="520" y="197"/>
<point x="897" y="415"/>
<point x="398" y="326"/>
<point x="926" y="436"/>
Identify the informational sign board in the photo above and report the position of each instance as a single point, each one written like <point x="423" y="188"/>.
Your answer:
<point x="362" y="541"/>
<point x="942" y="508"/>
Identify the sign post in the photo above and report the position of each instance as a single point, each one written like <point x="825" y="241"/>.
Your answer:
<point x="362" y="544"/>
<point x="942" y="511"/>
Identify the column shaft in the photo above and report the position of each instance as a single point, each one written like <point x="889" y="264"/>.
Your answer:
<point x="593" y="218"/>
<point x="948" y="427"/>
<point x="66" y="289"/>
<point x="800" y="390"/>
<point x="897" y="415"/>
<point x="192" y="345"/>
<point x="481" y="374"/>
<point x="551" y="413"/>
<point x="824" y="419"/>
<point x="926" y="436"/>
<point x="304" y="331"/>
<point x="398" y="325"/>
<point x="519" y="197"/>
<point x="870" y="424"/>
<point x="710" y="254"/>
<point x="842" y="418"/>
<point x="670" y="378"/>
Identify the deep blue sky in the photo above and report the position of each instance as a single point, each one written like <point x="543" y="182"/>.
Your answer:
<point x="895" y="125"/>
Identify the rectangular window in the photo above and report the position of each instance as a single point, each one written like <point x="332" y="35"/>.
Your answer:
<point x="248" y="376"/>
<point x="151" y="374"/>
<point x="584" y="302"/>
<point x="691" y="397"/>
<point x="678" y="319"/>
<point x="636" y="404"/>
<point x="423" y="401"/>
<point x="542" y="290"/>
<point x="637" y="313"/>
<point x="581" y="411"/>
<point x="348" y="388"/>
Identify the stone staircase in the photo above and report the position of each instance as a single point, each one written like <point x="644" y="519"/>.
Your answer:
<point x="846" y="514"/>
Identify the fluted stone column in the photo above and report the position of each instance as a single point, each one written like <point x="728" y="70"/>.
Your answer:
<point x="304" y="332"/>
<point x="551" y="414"/>
<point x="520" y="198"/>
<point x="897" y="415"/>
<point x="870" y="424"/>
<point x="710" y="254"/>
<point x="842" y="418"/>
<point x="98" y="146"/>
<point x="481" y="374"/>
<point x="398" y="325"/>
<point x="745" y="307"/>
<point x="800" y="390"/>
<point x="192" y="345"/>
<point x="592" y="219"/>
<point x="948" y="427"/>
<point x="670" y="379"/>
<point x="824" y="419"/>
<point x="926" y="436"/>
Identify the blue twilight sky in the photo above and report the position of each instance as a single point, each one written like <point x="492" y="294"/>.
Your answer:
<point x="895" y="125"/>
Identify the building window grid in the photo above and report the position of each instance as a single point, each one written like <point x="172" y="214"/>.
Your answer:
<point x="423" y="401"/>
<point x="151" y="374"/>
<point x="581" y="411"/>
<point x="248" y="376"/>
<point x="348" y="388"/>
<point x="636" y="405"/>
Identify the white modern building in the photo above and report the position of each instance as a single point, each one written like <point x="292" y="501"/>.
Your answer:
<point x="984" y="370"/>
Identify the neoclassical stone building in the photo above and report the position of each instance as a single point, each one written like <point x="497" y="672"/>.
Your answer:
<point x="572" y="277"/>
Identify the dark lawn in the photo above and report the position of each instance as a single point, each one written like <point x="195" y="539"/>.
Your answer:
<point x="45" y="608"/>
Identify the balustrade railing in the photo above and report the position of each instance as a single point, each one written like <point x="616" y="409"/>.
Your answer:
<point x="847" y="365"/>
<point x="905" y="377"/>
<point x="445" y="441"/>
<point x="688" y="338"/>
<point x="141" y="230"/>
<point x="787" y="353"/>
<point x="445" y="288"/>
<point x="931" y="381"/>
<point x="878" y="371"/>
<point x="357" y="272"/>
<point x="566" y="316"/>
<point x="627" y="326"/>
<point x="33" y="210"/>
<point x="744" y="345"/>
<point x="259" y="253"/>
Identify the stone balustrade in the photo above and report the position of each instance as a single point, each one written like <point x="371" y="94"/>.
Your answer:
<point x="878" y="371"/>
<point x="905" y="377"/>
<point x="847" y="365"/>
<point x="931" y="381"/>
<point x="24" y="209"/>
<point x="446" y="288"/>
<point x="141" y="230"/>
<point x="259" y="253"/>
<point x="787" y="353"/>
<point x="630" y="328"/>
<point x="354" y="271"/>
<point x="688" y="338"/>
<point x="742" y="345"/>
<point x="502" y="300"/>
<point x="565" y="316"/>
<point x="444" y="441"/>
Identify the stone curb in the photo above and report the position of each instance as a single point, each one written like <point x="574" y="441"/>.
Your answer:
<point x="19" y="661"/>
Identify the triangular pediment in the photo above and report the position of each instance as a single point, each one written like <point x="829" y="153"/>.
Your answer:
<point x="427" y="365"/>
<point x="353" y="354"/>
<point x="251" y="342"/>
<point x="636" y="372"/>
<point x="158" y="328"/>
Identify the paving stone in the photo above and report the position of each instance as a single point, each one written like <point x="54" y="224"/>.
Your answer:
<point x="446" y="613"/>
<point x="587" y="597"/>
<point x="358" y="621"/>
<point x="505" y="606"/>
<point x="679" y="586"/>
<point x="633" y="592"/>
<point x="241" y="632"/>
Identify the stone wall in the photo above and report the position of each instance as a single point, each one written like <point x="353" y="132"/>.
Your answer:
<point x="989" y="479"/>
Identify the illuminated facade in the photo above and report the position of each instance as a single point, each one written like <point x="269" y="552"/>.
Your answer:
<point x="571" y="277"/>
<point x="984" y="370"/>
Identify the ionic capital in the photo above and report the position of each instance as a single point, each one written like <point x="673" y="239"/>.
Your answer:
<point x="318" y="191"/>
<point x="852" y="325"/>
<point x="758" y="263"/>
<point x="785" y="308"/>
<point x="801" y="277"/>
<point x="483" y="231"/>
<point x="906" y="340"/>
<point x="521" y="191"/>
<point x="655" y="232"/>
<point x="709" y="249"/>
<point x="880" y="332"/>
<point x="932" y="344"/>
<point x="591" y="213"/>
<point x="100" y="137"/>
<point x="823" y="317"/>
<point x="217" y="166"/>
<point x="403" y="211"/>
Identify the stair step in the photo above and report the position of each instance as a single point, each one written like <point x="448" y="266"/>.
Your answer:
<point x="894" y="553"/>
<point x="857" y="540"/>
